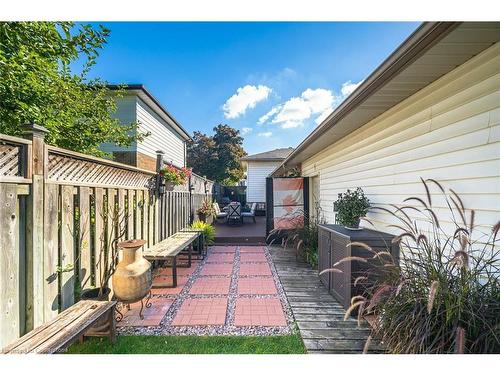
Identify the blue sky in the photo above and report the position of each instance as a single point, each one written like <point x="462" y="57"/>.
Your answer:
<point x="273" y="81"/>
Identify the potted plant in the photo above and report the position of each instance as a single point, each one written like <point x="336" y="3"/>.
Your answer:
<point x="351" y="206"/>
<point x="173" y="176"/>
<point x="205" y="210"/>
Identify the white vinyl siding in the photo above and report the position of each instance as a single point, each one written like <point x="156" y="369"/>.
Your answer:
<point x="256" y="179"/>
<point x="449" y="131"/>
<point x="163" y="137"/>
<point x="126" y="113"/>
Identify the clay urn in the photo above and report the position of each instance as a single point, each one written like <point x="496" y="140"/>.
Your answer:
<point x="132" y="278"/>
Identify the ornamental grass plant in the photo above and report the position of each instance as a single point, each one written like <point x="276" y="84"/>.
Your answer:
<point x="444" y="296"/>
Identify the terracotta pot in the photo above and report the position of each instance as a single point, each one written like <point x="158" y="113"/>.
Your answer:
<point x="132" y="278"/>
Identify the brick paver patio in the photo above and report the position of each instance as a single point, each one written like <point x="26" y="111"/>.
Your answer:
<point x="221" y="258"/>
<point x="201" y="311"/>
<point x="255" y="269"/>
<point x="259" y="312"/>
<point x="152" y="315"/>
<point x="206" y="285"/>
<point x="205" y="293"/>
<point x="217" y="269"/>
<point x="253" y="257"/>
<point x="251" y="249"/>
<point x="257" y="285"/>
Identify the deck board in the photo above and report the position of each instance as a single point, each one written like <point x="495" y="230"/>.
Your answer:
<point x="319" y="316"/>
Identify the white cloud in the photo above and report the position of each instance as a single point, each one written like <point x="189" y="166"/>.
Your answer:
<point x="246" y="97"/>
<point x="348" y="87"/>
<point x="268" y="115"/>
<point x="245" y="131"/>
<point x="296" y="110"/>
<point x="265" y="134"/>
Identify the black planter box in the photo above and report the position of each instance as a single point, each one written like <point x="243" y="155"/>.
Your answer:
<point x="334" y="245"/>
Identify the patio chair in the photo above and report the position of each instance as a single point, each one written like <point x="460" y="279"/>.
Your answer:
<point x="234" y="214"/>
<point x="251" y="213"/>
<point x="218" y="213"/>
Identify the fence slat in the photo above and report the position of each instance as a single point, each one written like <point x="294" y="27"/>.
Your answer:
<point x="51" y="252"/>
<point x="145" y="211"/>
<point x="138" y="214"/>
<point x="130" y="214"/>
<point x="111" y="226"/>
<point x="9" y="265"/>
<point x="100" y="235"/>
<point x="152" y="221"/>
<point x="67" y="257"/>
<point x="83" y="246"/>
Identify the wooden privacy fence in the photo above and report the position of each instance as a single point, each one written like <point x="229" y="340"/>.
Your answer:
<point x="58" y="210"/>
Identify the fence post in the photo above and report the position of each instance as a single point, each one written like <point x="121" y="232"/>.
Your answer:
<point x="161" y="225"/>
<point x="34" y="226"/>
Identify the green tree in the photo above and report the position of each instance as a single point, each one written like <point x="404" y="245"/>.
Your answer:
<point x="44" y="70"/>
<point x="217" y="156"/>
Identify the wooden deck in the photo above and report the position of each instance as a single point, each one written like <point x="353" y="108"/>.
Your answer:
<point x="249" y="233"/>
<point x="320" y="318"/>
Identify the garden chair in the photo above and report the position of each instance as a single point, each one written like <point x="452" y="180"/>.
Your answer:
<point x="251" y="213"/>
<point x="234" y="214"/>
<point x="218" y="213"/>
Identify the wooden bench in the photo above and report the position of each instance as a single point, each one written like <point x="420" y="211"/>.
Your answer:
<point x="70" y="325"/>
<point x="169" y="249"/>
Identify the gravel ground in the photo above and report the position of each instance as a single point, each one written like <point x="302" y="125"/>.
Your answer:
<point x="165" y="327"/>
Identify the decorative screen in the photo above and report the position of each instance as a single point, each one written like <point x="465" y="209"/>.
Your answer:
<point x="288" y="199"/>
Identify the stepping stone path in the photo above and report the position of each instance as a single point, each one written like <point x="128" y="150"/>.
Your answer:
<point x="234" y="290"/>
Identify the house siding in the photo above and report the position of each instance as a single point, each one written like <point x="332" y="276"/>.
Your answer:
<point x="163" y="136"/>
<point x="126" y="113"/>
<point x="448" y="131"/>
<point x="256" y="179"/>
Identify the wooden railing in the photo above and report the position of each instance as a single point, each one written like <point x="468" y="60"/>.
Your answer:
<point x="58" y="210"/>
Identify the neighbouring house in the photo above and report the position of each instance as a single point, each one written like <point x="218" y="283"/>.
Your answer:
<point x="165" y="133"/>
<point x="430" y="110"/>
<point x="258" y="167"/>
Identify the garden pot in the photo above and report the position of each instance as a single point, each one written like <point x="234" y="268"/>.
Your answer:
<point x="355" y="226"/>
<point x="202" y="217"/>
<point x="132" y="278"/>
<point x="169" y="186"/>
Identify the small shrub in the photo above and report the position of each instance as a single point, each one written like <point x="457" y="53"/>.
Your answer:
<point x="208" y="231"/>
<point x="444" y="297"/>
<point x="351" y="206"/>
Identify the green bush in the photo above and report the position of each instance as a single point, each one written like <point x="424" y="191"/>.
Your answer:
<point x="208" y="231"/>
<point x="351" y="206"/>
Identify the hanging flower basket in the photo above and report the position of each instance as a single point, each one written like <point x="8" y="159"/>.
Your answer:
<point x="173" y="176"/>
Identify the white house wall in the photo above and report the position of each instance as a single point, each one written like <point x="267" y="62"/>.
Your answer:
<point x="449" y="131"/>
<point x="162" y="137"/>
<point x="256" y="179"/>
